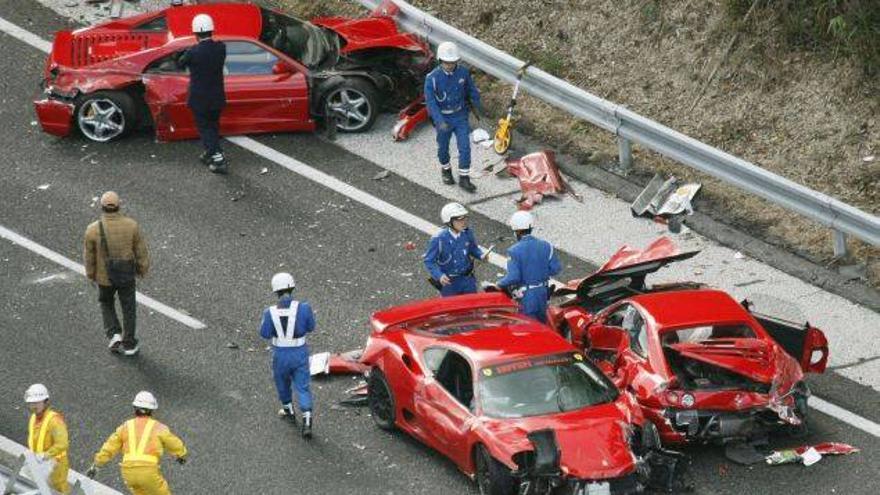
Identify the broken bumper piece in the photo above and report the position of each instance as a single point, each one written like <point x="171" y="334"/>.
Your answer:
<point x="55" y="116"/>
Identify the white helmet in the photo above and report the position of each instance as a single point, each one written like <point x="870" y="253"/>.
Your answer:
<point x="202" y="23"/>
<point x="36" y="393"/>
<point x="448" y="52"/>
<point x="452" y="210"/>
<point x="145" y="400"/>
<point x="522" y="220"/>
<point x="282" y="281"/>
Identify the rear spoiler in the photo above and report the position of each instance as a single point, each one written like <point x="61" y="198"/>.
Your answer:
<point x="396" y="315"/>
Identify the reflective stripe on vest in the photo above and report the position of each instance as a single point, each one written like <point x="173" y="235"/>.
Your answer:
<point x="138" y="446"/>
<point x="38" y="445"/>
<point x="284" y="336"/>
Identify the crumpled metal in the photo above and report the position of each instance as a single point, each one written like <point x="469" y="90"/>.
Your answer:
<point x="538" y="177"/>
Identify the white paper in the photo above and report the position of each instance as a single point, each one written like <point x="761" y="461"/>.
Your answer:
<point x="319" y="363"/>
<point x="811" y="456"/>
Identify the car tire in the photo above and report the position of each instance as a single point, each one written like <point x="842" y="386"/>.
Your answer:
<point x="380" y="399"/>
<point x="103" y="116"/>
<point x="354" y="105"/>
<point x="493" y="477"/>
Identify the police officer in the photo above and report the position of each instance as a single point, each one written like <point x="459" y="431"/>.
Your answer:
<point x="207" y="96"/>
<point x="449" y="253"/>
<point x="449" y="94"/>
<point x="531" y="264"/>
<point x="287" y="324"/>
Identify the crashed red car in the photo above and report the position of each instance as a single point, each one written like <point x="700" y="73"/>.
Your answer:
<point x="702" y="365"/>
<point x="282" y="73"/>
<point x="509" y="401"/>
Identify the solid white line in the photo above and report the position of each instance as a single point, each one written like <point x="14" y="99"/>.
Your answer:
<point x="76" y="267"/>
<point x="92" y="487"/>
<point x="408" y="218"/>
<point x="847" y="417"/>
<point x="24" y="35"/>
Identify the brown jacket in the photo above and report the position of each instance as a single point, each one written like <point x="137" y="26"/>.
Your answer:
<point x="124" y="240"/>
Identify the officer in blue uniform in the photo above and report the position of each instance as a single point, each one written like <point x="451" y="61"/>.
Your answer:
<point x="287" y="324"/>
<point x="531" y="263"/>
<point x="207" y="95"/>
<point x="449" y="253"/>
<point x="449" y="93"/>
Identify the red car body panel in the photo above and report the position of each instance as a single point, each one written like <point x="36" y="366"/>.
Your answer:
<point x="665" y="309"/>
<point x="115" y="55"/>
<point x="593" y="440"/>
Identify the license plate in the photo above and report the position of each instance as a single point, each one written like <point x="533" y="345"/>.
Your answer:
<point x="601" y="488"/>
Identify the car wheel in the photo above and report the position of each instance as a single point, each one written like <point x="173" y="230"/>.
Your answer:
<point x="381" y="400"/>
<point x="105" y="115"/>
<point x="493" y="478"/>
<point x="354" y="105"/>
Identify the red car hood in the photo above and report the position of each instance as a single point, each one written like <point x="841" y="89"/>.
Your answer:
<point x="629" y="262"/>
<point x="371" y="32"/>
<point x="592" y="441"/>
<point x="758" y="360"/>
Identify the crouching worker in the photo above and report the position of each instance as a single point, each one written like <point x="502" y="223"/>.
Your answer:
<point x="142" y="440"/>
<point x="286" y="324"/>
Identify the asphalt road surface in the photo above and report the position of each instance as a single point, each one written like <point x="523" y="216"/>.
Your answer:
<point x="215" y="242"/>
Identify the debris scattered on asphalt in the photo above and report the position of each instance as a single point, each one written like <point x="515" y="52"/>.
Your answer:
<point x="359" y="446"/>
<point x="666" y="200"/>
<point x="809" y="454"/>
<point x="33" y="123"/>
<point x="481" y="137"/>
<point x="738" y="255"/>
<point x="743" y="453"/>
<point x="382" y="175"/>
<point x="231" y="345"/>
<point x="319" y="363"/>
<point x="538" y="176"/>
<point x="750" y="282"/>
<point x="409" y="246"/>
<point x="264" y="170"/>
<point x="43" y="187"/>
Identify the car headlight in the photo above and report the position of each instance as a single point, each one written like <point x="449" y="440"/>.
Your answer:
<point x="687" y="400"/>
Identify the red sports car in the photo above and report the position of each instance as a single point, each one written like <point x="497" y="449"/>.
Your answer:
<point x="509" y="401"/>
<point x="702" y="365"/>
<point x="281" y="73"/>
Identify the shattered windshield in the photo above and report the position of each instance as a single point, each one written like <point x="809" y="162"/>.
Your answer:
<point x="300" y="40"/>
<point x="543" y="385"/>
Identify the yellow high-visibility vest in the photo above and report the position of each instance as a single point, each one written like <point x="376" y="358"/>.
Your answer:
<point x="137" y="447"/>
<point x="37" y="440"/>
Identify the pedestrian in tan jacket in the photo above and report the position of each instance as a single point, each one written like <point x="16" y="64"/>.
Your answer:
<point x="124" y="241"/>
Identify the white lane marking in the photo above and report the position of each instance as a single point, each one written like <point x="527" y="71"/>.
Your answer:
<point x="92" y="487"/>
<point x="842" y="414"/>
<point x="48" y="278"/>
<point x="418" y="223"/>
<point x="76" y="267"/>
<point x="25" y="35"/>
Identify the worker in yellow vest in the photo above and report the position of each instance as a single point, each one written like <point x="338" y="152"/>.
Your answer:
<point x="142" y="441"/>
<point x="47" y="435"/>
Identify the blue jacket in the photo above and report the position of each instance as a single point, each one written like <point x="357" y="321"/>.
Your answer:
<point x="305" y="320"/>
<point x="451" y="256"/>
<point x="447" y="92"/>
<point x="205" y="61"/>
<point x="532" y="261"/>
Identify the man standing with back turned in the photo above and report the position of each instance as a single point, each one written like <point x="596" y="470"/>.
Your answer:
<point x="207" y="95"/>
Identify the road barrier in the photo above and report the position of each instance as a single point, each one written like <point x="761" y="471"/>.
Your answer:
<point x="629" y="127"/>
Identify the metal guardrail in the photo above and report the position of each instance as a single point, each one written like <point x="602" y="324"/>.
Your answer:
<point x="630" y="127"/>
<point x="13" y="483"/>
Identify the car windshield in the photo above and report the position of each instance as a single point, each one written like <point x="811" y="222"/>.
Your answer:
<point x="543" y="385"/>
<point x="300" y="40"/>
<point x="707" y="332"/>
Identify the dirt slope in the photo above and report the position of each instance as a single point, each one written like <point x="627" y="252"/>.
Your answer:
<point x="811" y="117"/>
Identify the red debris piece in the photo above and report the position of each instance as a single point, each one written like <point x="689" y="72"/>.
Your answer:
<point x="829" y="448"/>
<point x="409" y="118"/>
<point x="347" y="363"/>
<point x="538" y="176"/>
<point x="409" y="246"/>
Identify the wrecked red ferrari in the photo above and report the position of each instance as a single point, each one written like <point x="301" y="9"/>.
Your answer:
<point x="282" y="73"/>
<point x="703" y="366"/>
<point x="511" y="403"/>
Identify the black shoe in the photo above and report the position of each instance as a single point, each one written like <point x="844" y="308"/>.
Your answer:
<point x="205" y="158"/>
<point x="115" y="344"/>
<point x="447" y="177"/>
<point x="464" y="182"/>
<point x="286" y="412"/>
<point x="130" y="349"/>
<point x="306" y="430"/>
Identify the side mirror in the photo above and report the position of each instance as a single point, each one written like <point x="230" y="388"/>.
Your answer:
<point x="281" y="68"/>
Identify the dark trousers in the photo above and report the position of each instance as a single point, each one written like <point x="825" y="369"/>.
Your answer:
<point x="208" y="124"/>
<point x="106" y="297"/>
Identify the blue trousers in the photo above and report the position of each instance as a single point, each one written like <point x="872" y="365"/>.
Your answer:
<point x="534" y="304"/>
<point x="208" y="125"/>
<point x="292" y="364"/>
<point x="458" y="125"/>
<point x="460" y="285"/>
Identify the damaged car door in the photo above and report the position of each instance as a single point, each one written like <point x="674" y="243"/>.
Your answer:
<point x="804" y="342"/>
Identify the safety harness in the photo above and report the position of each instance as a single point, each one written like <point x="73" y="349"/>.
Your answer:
<point x="37" y="442"/>
<point x="284" y="336"/>
<point x="137" y="447"/>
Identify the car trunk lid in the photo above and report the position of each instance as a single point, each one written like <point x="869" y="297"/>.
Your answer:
<point x="752" y="358"/>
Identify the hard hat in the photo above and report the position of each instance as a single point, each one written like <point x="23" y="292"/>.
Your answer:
<point x="448" y="52"/>
<point x="202" y="23"/>
<point x="109" y="198"/>
<point x="481" y="136"/>
<point x="145" y="400"/>
<point x="452" y="210"/>
<point x="282" y="281"/>
<point x="36" y="393"/>
<point x="522" y="220"/>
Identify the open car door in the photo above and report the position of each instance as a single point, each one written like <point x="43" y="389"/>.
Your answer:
<point x="806" y="343"/>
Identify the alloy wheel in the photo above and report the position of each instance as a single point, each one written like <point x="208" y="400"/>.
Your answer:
<point x="101" y="119"/>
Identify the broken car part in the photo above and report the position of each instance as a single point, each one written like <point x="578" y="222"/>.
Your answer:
<point x="538" y="176"/>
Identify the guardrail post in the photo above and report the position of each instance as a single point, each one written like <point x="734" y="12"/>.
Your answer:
<point x="839" y="244"/>
<point x="625" y="154"/>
